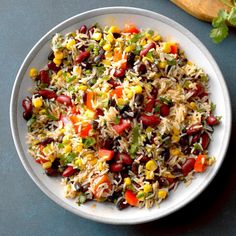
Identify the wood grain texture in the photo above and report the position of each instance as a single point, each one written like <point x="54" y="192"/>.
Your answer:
<point x="202" y="9"/>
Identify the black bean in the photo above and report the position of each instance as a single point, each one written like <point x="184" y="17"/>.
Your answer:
<point x="137" y="114"/>
<point x="51" y="55"/>
<point x="186" y="150"/>
<point x="86" y="65"/>
<point x="184" y="140"/>
<point x="77" y="187"/>
<point x="177" y="170"/>
<point x="121" y="204"/>
<point x="130" y="59"/>
<point x="112" y="103"/>
<point x="154" y="92"/>
<point x="134" y="167"/>
<point x="56" y="164"/>
<point x="163" y="182"/>
<point x="166" y="154"/>
<point x="196" y="152"/>
<point x="116" y="35"/>
<point x="138" y="99"/>
<point x="95" y="124"/>
<point x="47" y="141"/>
<point x="97" y="59"/>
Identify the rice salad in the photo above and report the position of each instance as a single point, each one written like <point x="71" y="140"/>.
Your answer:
<point x="121" y="115"/>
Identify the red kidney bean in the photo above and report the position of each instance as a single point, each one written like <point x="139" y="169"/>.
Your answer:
<point x="68" y="171"/>
<point x="64" y="99"/>
<point x="99" y="112"/>
<point x="150" y="120"/>
<point x="113" y="83"/>
<point x="212" y="120"/>
<point x="145" y="159"/>
<point x="194" y="129"/>
<point x="27" y="115"/>
<point x="27" y="104"/>
<point x="83" y="29"/>
<point x="82" y="56"/>
<point x="53" y="66"/>
<point x="144" y="52"/>
<point x="90" y="31"/>
<point x="116" y="167"/>
<point x="44" y="77"/>
<point x="126" y="159"/>
<point x="205" y="140"/>
<point x="150" y="104"/>
<point x="134" y="167"/>
<point x="45" y="93"/>
<point x="196" y="137"/>
<point x="141" y="68"/>
<point x="164" y="110"/>
<point x="154" y="92"/>
<point x="184" y="140"/>
<point x="188" y="166"/>
<point x="199" y="90"/>
<point x="51" y="172"/>
<point x="119" y="73"/>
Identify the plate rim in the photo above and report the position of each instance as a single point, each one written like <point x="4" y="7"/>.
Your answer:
<point x="92" y="13"/>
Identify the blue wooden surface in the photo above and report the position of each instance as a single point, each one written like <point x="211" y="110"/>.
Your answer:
<point x="24" y="209"/>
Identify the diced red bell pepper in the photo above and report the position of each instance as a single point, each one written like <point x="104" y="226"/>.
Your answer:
<point x="174" y="49"/>
<point x="85" y="130"/>
<point x="68" y="171"/>
<point x="150" y="104"/>
<point x="200" y="163"/>
<point x="117" y="91"/>
<point x="131" y="28"/>
<point x="106" y="154"/>
<point x="122" y="126"/>
<point x="131" y="198"/>
<point x="150" y="120"/>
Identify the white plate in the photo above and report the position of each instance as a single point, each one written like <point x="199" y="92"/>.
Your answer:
<point x="195" y="51"/>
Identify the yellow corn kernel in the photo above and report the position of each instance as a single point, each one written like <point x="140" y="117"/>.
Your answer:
<point x="189" y="63"/>
<point x="57" y="61"/>
<point x="166" y="47"/>
<point x="100" y="166"/>
<point x="148" y="36"/>
<point x="59" y="73"/>
<point x="33" y="72"/>
<point x="37" y="102"/>
<point x="107" y="47"/>
<point x="66" y="139"/>
<point x="130" y="95"/>
<point x="93" y="162"/>
<point x="114" y="29"/>
<point x="70" y="44"/>
<point x="162" y="194"/>
<point x="149" y="174"/>
<point x="147" y="188"/>
<point x="193" y="105"/>
<point x="42" y="112"/>
<point x="151" y="165"/>
<point x="175" y="152"/>
<point x="175" y="138"/>
<point x="67" y="148"/>
<point x="127" y="181"/>
<point x="77" y="70"/>
<point x="110" y="38"/>
<point x="176" y="131"/>
<point x="147" y="59"/>
<point x="143" y="42"/>
<point x="138" y="89"/>
<point x="108" y="55"/>
<point x="149" y="129"/>
<point x="89" y="114"/>
<point x="162" y="64"/>
<point x="120" y="102"/>
<point x="90" y="156"/>
<point x="51" y="157"/>
<point x="106" y="62"/>
<point x="97" y="36"/>
<point x="79" y="147"/>
<point x="59" y="55"/>
<point x="130" y="48"/>
<point x="156" y="37"/>
<point x="79" y="163"/>
<point x="47" y="165"/>
<point x="83" y="87"/>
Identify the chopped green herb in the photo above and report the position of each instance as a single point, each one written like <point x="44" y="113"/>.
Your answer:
<point x="66" y="159"/>
<point x="151" y="32"/>
<point x="157" y="109"/>
<point x="117" y="120"/>
<point x="88" y="142"/>
<point x="61" y="145"/>
<point x="81" y="199"/>
<point x="70" y="79"/>
<point x="135" y="141"/>
<point x="166" y="101"/>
